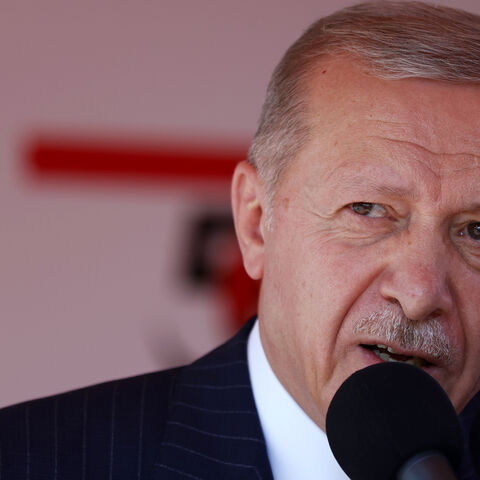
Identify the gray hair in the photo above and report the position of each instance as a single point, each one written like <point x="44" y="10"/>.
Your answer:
<point x="390" y="39"/>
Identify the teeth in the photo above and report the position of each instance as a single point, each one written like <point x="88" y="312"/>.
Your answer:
<point x="384" y="356"/>
<point x="384" y="347"/>
<point x="415" y="361"/>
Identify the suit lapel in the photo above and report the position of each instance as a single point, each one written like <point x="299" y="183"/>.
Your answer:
<point x="467" y="416"/>
<point x="213" y="430"/>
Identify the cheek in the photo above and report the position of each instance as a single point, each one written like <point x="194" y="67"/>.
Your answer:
<point x="314" y="285"/>
<point x="315" y="274"/>
<point x="465" y="286"/>
<point x="471" y="343"/>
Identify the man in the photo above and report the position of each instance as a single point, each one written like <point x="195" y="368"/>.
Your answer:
<point x="359" y="211"/>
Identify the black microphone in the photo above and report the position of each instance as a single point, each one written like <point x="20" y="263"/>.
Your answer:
<point x="392" y="421"/>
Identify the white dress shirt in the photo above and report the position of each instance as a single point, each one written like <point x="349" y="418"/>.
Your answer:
<point x="297" y="448"/>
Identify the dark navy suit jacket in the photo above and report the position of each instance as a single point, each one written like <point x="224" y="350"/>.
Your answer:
<point x="194" y="422"/>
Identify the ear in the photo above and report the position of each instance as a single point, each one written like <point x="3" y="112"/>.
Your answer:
<point x="247" y="204"/>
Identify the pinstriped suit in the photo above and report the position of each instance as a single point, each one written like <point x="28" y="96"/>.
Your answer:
<point x="195" y="422"/>
<point x="199" y="421"/>
<point x="466" y="418"/>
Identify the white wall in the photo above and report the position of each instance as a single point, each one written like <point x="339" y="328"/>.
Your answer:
<point x="89" y="272"/>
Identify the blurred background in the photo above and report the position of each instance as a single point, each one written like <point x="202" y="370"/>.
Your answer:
<point x="120" y="124"/>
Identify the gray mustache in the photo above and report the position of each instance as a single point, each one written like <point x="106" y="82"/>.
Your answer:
<point x="393" y="326"/>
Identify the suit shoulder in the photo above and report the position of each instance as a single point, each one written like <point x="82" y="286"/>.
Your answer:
<point x="105" y="427"/>
<point x="99" y="397"/>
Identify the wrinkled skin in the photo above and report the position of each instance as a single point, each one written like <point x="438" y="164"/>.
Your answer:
<point x="408" y="151"/>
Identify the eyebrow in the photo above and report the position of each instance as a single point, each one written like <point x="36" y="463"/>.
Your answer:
<point x="473" y="208"/>
<point x="385" y="189"/>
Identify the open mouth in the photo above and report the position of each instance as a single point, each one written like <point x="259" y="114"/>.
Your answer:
<point x="388" y="354"/>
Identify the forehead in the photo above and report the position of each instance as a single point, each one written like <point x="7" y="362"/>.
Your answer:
<point x="414" y="126"/>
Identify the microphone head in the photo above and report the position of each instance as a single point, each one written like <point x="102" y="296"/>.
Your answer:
<point x="385" y="414"/>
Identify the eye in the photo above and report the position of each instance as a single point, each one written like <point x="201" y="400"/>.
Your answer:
<point x="472" y="230"/>
<point x="374" y="210"/>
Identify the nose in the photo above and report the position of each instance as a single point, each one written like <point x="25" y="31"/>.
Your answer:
<point x="416" y="277"/>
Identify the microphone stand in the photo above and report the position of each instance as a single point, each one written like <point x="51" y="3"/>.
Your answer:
<point x="431" y="465"/>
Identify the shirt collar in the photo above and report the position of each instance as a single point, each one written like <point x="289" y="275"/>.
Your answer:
<point x="296" y="446"/>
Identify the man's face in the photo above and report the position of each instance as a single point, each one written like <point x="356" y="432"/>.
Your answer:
<point x="376" y="223"/>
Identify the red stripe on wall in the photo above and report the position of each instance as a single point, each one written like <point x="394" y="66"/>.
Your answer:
<point x="183" y="162"/>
